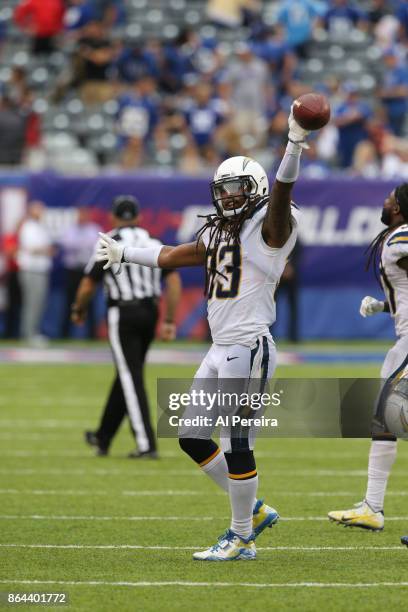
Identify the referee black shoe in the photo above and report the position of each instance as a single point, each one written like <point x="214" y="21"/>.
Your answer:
<point x="145" y="455"/>
<point x="92" y="439"/>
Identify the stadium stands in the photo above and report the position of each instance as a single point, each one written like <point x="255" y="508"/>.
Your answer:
<point x="178" y="46"/>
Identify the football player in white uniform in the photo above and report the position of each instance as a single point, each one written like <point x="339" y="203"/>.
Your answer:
<point x="245" y="246"/>
<point x="389" y="250"/>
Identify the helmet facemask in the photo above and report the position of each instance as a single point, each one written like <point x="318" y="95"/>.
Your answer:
<point x="232" y="195"/>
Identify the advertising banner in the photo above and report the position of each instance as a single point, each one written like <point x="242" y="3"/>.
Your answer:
<point x="340" y="217"/>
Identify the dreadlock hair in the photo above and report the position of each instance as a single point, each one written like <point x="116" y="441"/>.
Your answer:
<point x="221" y="229"/>
<point x="375" y="247"/>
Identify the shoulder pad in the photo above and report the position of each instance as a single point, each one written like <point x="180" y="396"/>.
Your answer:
<point x="398" y="236"/>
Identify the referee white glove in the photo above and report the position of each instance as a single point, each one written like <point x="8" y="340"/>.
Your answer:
<point x="370" y="306"/>
<point x="109" y="250"/>
<point x="297" y="134"/>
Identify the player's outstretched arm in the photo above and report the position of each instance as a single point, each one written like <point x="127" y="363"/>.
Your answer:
<point x="183" y="255"/>
<point x="276" y="227"/>
<point x="159" y="256"/>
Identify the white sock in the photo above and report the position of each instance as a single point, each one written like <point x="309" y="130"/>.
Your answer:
<point x="381" y="459"/>
<point x="242" y="494"/>
<point x="217" y="469"/>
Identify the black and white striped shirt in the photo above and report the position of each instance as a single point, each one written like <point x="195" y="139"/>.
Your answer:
<point x="134" y="282"/>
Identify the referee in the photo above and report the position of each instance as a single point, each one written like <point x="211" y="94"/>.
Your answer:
<point x="133" y="297"/>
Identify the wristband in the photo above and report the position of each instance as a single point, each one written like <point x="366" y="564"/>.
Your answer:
<point x="288" y="170"/>
<point x="147" y="256"/>
<point x="294" y="147"/>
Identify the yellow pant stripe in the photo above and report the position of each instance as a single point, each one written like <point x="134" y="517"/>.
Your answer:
<point x="241" y="476"/>
<point x="203" y="463"/>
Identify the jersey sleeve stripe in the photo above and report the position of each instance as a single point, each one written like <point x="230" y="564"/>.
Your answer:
<point x="398" y="241"/>
<point x="397" y="238"/>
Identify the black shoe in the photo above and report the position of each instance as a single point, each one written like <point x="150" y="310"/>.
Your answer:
<point x="92" y="439"/>
<point x="145" y="455"/>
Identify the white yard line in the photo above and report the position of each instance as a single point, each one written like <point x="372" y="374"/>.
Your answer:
<point x="41" y="400"/>
<point x="75" y="517"/>
<point x="85" y="453"/>
<point x="174" y="454"/>
<point x="159" y="547"/>
<point x="251" y="585"/>
<point x="49" y="436"/>
<point x="41" y="517"/>
<point x="142" y="492"/>
<point x="37" y="426"/>
<point x="44" y="436"/>
<point x="90" y="493"/>
<point x="176" y="492"/>
<point x="43" y="423"/>
<point x="95" y="472"/>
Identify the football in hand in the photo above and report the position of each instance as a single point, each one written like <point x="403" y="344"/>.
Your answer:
<point x="311" y="111"/>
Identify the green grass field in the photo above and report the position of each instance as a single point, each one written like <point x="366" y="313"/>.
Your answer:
<point x="119" y="535"/>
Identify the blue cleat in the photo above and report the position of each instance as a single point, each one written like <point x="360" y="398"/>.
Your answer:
<point x="404" y="540"/>
<point x="230" y="547"/>
<point x="263" y="516"/>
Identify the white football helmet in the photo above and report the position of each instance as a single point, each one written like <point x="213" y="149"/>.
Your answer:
<point x="238" y="181"/>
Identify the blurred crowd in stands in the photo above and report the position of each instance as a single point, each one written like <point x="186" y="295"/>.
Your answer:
<point x="188" y="101"/>
<point x="30" y="254"/>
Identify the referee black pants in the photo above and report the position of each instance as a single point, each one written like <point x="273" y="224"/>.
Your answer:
<point x="131" y="330"/>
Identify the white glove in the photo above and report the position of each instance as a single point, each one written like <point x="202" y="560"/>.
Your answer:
<point x="370" y="306"/>
<point x="110" y="251"/>
<point x="296" y="133"/>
